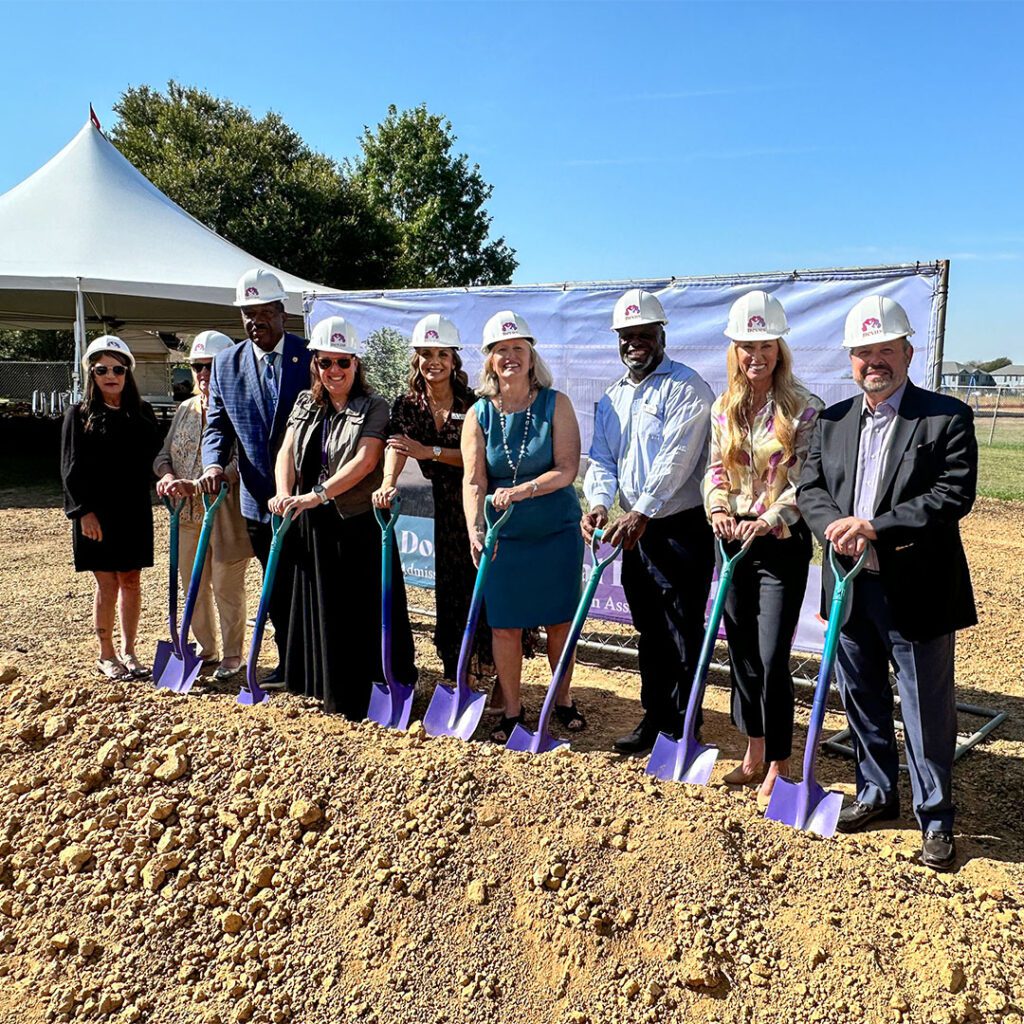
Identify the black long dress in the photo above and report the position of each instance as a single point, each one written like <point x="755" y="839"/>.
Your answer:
<point x="454" y="573"/>
<point x="108" y="470"/>
<point x="333" y="650"/>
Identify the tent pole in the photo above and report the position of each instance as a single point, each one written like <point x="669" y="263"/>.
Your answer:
<point x="941" y="294"/>
<point x="76" y="369"/>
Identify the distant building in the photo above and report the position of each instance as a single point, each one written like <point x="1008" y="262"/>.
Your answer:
<point x="956" y="375"/>
<point x="1011" y="376"/>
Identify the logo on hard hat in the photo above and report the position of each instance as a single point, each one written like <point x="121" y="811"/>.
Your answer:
<point x="430" y="335"/>
<point x="252" y="293"/>
<point x="756" y="323"/>
<point x="337" y="338"/>
<point x="632" y="310"/>
<point x="508" y="327"/>
<point x="200" y="346"/>
<point x="871" y="325"/>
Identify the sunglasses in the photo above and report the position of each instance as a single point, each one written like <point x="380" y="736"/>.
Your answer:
<point x="198" y="368"/>
<point x="117" y="371"/>
<point x="344" y="362"/>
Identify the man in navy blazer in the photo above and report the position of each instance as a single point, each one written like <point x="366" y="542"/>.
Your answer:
<point x="896" y="469"/>
<point x="253" y="387"/>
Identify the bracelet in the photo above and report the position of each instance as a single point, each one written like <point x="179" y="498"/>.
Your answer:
<point x="533" y="488"/>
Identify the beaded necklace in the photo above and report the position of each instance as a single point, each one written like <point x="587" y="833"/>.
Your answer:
<point x="514" y="466"/>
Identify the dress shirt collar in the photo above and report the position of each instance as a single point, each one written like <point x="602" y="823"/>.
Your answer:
<point x="278" y="348"/>
<point x="893" y="402"/>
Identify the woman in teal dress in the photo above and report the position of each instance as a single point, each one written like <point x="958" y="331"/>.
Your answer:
<point x="521" y="444"/>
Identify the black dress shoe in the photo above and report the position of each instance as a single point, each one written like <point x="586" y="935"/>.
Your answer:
<point x="274" y="679"/>
<point x="857" y="815"/>
<point x="639" y="741"/>
<point x="938" y="851"/>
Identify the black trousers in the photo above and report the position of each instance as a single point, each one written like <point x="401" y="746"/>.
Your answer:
<point x="260" y="536"/>
<point x="666" y="578"/>
<point x="762" y="610"/>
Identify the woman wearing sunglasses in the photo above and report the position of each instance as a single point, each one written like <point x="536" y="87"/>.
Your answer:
<point x="107" y="446"/>
<point x="327" y="468"/>
<point x="177" y="467"/>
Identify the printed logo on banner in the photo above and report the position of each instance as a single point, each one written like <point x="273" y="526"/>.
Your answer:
<point x="632" y="310"/>
<point x="756" y="323"/>
<point x="871" y="326"/>
<point x="508" y="327"/>
<point x="252" y="293"/>
<point x="430" y="335"/>
<point x="337" y="338"/>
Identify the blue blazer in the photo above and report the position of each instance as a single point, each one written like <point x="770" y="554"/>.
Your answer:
<point x="237" y="412"/>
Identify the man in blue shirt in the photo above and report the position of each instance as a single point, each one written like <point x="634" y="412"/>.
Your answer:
<point x="650" y="447"/>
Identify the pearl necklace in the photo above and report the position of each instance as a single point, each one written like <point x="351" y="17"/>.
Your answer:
<point x="514" y="466"/>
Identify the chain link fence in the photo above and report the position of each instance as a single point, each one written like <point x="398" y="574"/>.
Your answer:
<point x="998" y="412"/>
<point x="32" y="382"/>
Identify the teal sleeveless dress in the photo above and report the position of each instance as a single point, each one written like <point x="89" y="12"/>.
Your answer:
<point x="535" y="579"/>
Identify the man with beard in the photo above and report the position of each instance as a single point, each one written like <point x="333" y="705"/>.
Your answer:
<point x="650" y="447"/>
<point x="253" y="387"/>
<point x="896" y="469"/>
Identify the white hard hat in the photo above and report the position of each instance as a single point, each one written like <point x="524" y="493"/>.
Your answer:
<point x="107" y="343"/>
<point x="756" y="316"/>
<point x="636" y="308"/>
<point x="206" y="344"/>
<point x="505" y="326"/>
<point x="435" y="331"/>
<point x="335" y="334"/>
<point x="875" y="320"/>
<point x="257" y="286"/>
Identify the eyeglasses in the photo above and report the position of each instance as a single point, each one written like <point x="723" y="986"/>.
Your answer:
<point x="198" y="368"/>
<point x="325" y="364"/>
<point x="117" y="371"/>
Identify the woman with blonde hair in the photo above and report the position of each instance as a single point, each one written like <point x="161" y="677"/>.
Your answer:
<point x="760" y="432"/>
<point x="177" y="467"/>
<point x="521" y="444"/>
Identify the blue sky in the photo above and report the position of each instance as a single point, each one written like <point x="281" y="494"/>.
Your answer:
<point x="623" y="140"/>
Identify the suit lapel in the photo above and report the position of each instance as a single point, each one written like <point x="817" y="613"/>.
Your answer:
<point x="902" y="434"/>
<point x="294" y="378"/>
<point x="850" y="432"/>
<point x="252" y="383"/>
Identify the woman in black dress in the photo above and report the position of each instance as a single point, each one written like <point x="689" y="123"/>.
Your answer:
<point x="107" y="447"/>
<point x="426" y="425"/>
<point x="327" y="468"/>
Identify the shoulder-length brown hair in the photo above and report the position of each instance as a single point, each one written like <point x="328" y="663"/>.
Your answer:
<point x="461" y="390"/>
<point x="789" y="395"/>
<point x="92" y="404"/>
<point x="360" y="385"/>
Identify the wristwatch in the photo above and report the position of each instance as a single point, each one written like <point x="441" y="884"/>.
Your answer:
<point x="437" y="452"/>
<point x="321" y="492"/>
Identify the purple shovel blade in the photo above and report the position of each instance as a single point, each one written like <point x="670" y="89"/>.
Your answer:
<point x="391" y="706"/>
<point x="448" y="715"/>
<point x="681" y="760"/>
<point x="806" y="806"/>
<point x="176" y="667"/>
<point x="251" y="695"/>
<point x="190" y="669"/>
<point x="527" y="742"/>
<point x="164" y="650"/>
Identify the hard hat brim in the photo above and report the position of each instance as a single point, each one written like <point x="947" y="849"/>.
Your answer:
<point x="882" y="339"/>
<point x="485" y="348"/>
<point x="637" y="323"/>
<point x="755" y="335"/>
<point x="259" y="302"/>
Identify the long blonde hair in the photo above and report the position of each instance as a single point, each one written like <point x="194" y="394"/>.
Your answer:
<point x="790" y="397"/>
<point x="540" y="375"/>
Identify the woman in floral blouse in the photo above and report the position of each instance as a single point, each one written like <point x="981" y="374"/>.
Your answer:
<point x="760" y="432"/>
<point x="426" y="425"/>
<point x="178" y="465"/>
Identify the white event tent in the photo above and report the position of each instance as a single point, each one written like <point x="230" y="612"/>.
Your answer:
<point x="88" y="239"/>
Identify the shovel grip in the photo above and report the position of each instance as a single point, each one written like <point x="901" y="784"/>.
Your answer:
<point x="387" y="523"/>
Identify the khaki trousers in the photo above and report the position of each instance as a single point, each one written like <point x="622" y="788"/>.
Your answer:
<point x="223" y="583"/>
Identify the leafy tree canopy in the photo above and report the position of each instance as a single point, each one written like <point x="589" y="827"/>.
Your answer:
<point x="37" y="346"/>
<point x="435" y="201"/>
<point x="994" y="364"/>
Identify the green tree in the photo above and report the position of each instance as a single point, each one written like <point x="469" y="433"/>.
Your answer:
<point x="37" y="346"/>
<point x="256" y="183"/>
<point x="994" y="364"/>
<point x="387" y="362"/>
<point x="435" y="201"/>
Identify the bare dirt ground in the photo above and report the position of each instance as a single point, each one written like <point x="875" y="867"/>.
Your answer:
<point x="185" y="859"/>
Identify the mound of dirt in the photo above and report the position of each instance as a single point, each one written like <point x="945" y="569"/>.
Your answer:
<point x="169" y="860"/>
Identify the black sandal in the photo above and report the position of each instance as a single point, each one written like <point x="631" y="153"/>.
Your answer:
<point x="505" y="727"/>
<point x="570" y="717"/>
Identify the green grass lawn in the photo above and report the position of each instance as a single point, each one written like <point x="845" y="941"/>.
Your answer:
<point x="1001" y="471"/>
